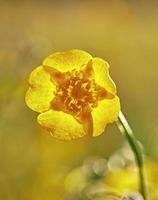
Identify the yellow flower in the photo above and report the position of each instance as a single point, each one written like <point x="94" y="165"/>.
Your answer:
<point x="126" y="179"/>
<point x="74" y="95"/>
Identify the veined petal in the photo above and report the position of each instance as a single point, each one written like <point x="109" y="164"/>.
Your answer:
<point x="57" y="104"/>
<point x="61" y="125"/>
<point x="56" y="76"/>
<point x="86" y="120"/>
<point x="40" y="92"/>
<point x="104" y="94"/>
<point x="88" y="71"/>
<point x="106" y="112"/>
<point x="102" y="78"/>
<point x="67" y="61"/>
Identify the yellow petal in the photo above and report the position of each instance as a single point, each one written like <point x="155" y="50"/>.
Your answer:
<point x="56" y="76"/>
<point x="102" y="78"/>
<point x="61" y="125"/>
<point x="85" y="118"/>
<point x="104" y="94"/>
<point x="106" y="112"/>
<point x="67" y="61"/>
<point x="129" y="179"/>
<point x="88" y="71"/>
<point x="40" y="92"/>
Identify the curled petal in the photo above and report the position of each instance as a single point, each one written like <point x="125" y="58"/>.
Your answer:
<point x="40" y="92"/>
<point x="102" y="78"/>
<point x="61" y="125"/>
<point x="67" y="61"/>
<point x="106" y="112"/>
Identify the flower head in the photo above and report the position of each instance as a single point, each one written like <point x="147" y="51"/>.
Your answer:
<point x="126" y="179"/>
<point x="74" y="95"/>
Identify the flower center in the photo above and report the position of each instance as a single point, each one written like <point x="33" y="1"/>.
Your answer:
<point x="77" y="93"/>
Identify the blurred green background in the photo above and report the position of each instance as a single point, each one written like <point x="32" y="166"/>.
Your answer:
<point x="33" y="164"/>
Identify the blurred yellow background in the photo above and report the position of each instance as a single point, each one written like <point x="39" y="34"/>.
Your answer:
<point x="33" y="164"/>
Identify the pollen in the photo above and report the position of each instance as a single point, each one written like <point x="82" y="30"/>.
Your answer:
<point x="77" y="93"/>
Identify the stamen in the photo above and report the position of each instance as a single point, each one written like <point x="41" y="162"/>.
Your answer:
<point x="77" y="93"/>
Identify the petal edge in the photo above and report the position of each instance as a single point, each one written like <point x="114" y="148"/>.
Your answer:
<point x="40" y="91"/>
<point x="67" y="61"/>
<point x="61" y="125"/>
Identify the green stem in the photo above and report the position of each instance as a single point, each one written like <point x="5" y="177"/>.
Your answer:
<point x="127" y="131"/>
